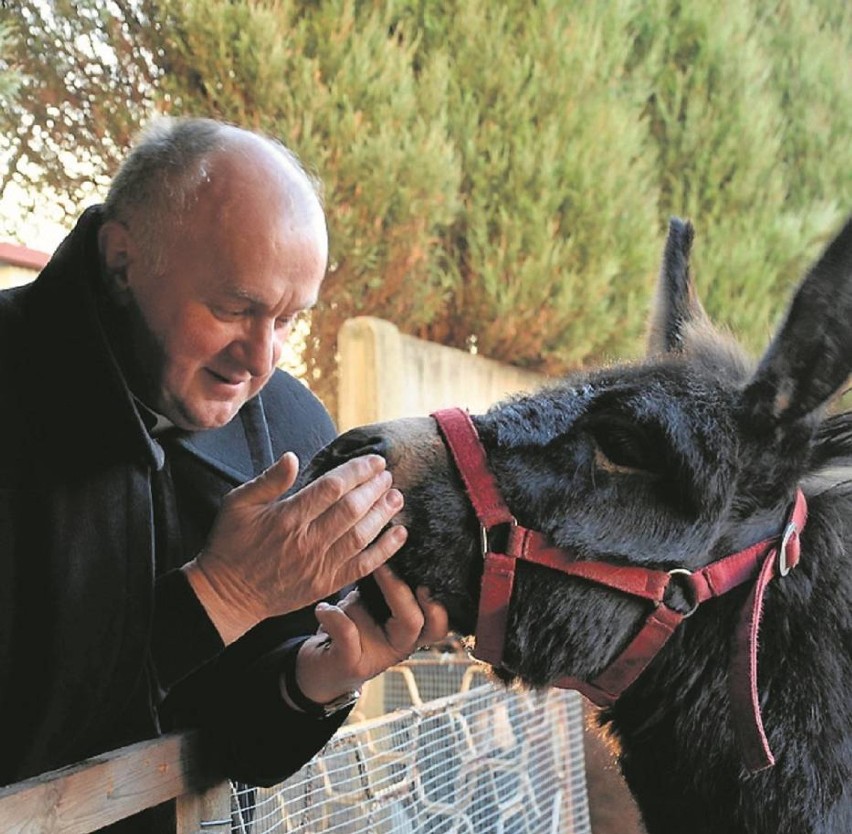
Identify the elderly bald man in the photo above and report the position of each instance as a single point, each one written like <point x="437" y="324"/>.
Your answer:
<point x="157" y="568"/>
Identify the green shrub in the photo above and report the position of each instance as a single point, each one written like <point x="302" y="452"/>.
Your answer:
<point x="497" y="174"/>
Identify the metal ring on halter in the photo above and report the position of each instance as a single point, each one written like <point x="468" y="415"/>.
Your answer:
<point x="783" y="567"/>
<point x="685" y="572"/>
<point x="484" y="533"/>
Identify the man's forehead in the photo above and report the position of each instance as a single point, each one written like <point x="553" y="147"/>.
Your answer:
<point x="295" y="298"/>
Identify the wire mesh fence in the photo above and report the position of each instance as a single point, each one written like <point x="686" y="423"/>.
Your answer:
<point x="481" y="761"/>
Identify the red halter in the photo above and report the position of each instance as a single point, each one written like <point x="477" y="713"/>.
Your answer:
<point x="759" y="562"/>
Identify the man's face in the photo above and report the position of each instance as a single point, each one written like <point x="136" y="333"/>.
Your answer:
<point x="216" y="314"/>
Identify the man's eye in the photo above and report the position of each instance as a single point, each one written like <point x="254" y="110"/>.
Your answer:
<point x="292" y="319"/>
<point x="229" y="312"/>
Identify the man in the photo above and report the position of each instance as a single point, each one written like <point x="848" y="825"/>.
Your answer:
<point x="154" y="568"/>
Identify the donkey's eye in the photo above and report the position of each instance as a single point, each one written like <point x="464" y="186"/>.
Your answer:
<point x="621" y="448"/>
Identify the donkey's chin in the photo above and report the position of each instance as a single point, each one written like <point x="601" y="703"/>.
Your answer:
<point x="505" y="677"/>
<point x="458" y="606"/>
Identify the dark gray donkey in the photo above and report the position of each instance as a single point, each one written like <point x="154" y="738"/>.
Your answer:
<point x="673" y="537"/>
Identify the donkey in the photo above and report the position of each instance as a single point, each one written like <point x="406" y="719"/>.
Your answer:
<point x="636" y="528"/>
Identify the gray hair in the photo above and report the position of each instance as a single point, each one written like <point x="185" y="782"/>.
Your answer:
<point x="157" y="182"/>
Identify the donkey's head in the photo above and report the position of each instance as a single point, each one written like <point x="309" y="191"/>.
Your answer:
<point x="671" y="463"/>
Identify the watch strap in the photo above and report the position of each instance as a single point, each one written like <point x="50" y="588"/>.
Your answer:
<point x="298" y="700"/>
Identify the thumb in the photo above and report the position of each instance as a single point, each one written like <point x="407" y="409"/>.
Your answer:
<point x="273" y="482"/>
<point x="342" y="632"/>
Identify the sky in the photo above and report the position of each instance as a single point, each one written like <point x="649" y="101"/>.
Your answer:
<point x="37" y="231"/>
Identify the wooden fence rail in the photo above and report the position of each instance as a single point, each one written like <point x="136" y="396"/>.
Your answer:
<point x="84" y="797"/>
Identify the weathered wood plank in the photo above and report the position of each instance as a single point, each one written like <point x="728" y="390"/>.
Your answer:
<point x="81" y="798"/>
<point x="208" y="812"/>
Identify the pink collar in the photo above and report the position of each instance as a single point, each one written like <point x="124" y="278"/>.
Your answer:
<point x="758" y="562"/>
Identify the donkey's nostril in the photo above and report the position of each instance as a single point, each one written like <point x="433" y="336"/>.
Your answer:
<point x="357" y="442"/>
<point x="349" y="445"/>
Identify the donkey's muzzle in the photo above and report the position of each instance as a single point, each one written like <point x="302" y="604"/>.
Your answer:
<point x="351" y="444"/>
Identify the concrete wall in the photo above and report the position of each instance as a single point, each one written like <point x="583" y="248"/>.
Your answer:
<point x="12" y="276"/>
<point x="385" y="374"/>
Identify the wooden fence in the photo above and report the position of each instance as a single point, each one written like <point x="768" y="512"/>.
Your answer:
<point x="87" y="796"/>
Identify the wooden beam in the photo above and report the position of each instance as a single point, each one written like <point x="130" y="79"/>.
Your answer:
<point x="84" y="797"/>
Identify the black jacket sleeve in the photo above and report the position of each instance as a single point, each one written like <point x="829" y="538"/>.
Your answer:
<point x="251" y="733"/>
<point x="183" y="638"/>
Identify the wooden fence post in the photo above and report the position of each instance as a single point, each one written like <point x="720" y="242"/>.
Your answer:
<point x="207" y="812"/>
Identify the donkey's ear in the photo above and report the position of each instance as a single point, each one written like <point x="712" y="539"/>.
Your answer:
<point x="677" y="310"/>
<point x="810" y="357"/>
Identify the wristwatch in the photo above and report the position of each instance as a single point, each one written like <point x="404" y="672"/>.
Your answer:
<point x="347" y="699"/>
<point x="297" y="699"/>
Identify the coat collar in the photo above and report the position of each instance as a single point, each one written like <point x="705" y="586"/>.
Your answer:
<point x="239" y="450"/>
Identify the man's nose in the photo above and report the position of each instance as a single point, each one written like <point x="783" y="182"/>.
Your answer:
<point x="259" y="348"/>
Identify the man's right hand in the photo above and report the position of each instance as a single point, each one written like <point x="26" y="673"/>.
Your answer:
<point x="267" y="555"/>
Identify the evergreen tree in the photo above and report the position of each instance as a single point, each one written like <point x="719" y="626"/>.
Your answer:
<point x="743" y="145"/>
<point x="497" y="174"/>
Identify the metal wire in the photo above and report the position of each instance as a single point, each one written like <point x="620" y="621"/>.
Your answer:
<point x="481" y="761"/>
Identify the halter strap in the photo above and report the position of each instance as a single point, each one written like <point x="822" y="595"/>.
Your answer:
<point x="461" y="437"/>
<point x="498" y="577"/>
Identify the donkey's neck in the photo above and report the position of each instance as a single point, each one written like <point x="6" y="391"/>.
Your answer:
<point x="680" y="754"/>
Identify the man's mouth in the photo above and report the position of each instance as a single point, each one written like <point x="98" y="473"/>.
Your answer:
<point x="233" y="382"/>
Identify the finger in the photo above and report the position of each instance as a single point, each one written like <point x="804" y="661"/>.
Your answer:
<point x="406" y="620"/>
<point x="342" y="632"/>
<point x="273" y="482"/>
<point x="356" y="521"/>
<point x="328" y="490"/>
<point x="436" y="623"/>
<point x="351" y="598"/>
<point x="373" y="557"/>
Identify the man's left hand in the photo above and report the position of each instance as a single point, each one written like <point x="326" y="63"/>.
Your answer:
<point x="350" y="647"/>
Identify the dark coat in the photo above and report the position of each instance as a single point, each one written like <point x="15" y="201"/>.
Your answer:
<point x="102" y="643"/>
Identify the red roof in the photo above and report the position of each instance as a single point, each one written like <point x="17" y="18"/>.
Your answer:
<point x="12" y="253"/>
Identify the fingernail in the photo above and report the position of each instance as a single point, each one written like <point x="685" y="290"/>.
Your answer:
<point x="395" y="499"/>
<point x="322" y="606"/>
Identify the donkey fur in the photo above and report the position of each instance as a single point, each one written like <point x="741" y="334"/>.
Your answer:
<point x="693" y="454"/>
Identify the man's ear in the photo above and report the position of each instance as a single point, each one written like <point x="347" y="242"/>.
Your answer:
<point x="118" y="251"/>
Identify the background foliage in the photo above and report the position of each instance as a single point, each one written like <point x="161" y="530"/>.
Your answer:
<point x="497" y="174"/>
